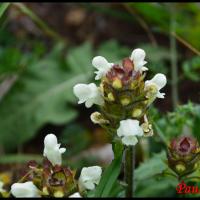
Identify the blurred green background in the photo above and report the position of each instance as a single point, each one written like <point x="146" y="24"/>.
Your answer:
<point x="46" y="48"/>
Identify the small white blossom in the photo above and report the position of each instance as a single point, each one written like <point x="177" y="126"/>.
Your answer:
<point x="88" y="93"/>
<point x="102" y="65"/>
<point x="75" y="195"/>
<point x="27" y="189"/>
<point x="128" y="130"/>
<point x="1" y="187"/>
<point x="138" y="56"/>
<point x="52" y="149"/>
<point x="90" y="176"/>
<point x="159" y="81"/>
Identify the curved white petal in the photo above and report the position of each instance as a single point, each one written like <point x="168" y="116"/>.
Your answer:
<point x="88" y="93"/>
<point x="27" y="189"/>
<point x="102" y="65"/>
<point x="138" y="56"/>
<point x="52" y="150"/>
<point x="50" y="140"/>
<point x="160" y="80"/>
<point x="75" y="195"/>
<point x="62" y="150"/>
<point x="129" y="140"/>
<point x="160" y="95"/>
<point x="89" y="177"/>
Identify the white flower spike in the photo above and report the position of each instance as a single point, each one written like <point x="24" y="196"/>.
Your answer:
<point x="75" y="195"/>
<point x="159" y="81"/>
<point x="27" y="189"/>
<point x="88" y="93"/>
<point x="90" y="176"/>
<point x="1" y="187"/>
<point x="128" y="130"/>
<point x="102" y="65"/>
<point x="52" y="149"/>
<point x="138" y="56"/>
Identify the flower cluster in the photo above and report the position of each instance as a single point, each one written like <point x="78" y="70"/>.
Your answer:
<point x="123" y="96"/>
<point x="183" y="155"/>
<point x="51" y="179"/>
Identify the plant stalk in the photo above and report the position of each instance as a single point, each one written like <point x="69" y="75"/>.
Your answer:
<point x="173" y="52"/>
<point x="129" y="167"/>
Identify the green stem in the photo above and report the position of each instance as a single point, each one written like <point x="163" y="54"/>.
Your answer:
<point x="173" y="50"/>
<point x="129" y="166"/>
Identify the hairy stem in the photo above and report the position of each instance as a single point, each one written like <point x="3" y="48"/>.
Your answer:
<point x="129" y="166"/>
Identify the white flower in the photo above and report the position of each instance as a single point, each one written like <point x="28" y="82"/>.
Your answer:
<point x="1" y="187"/>
<point x="90" y="176"/>
<point x="159" y="81"/>
<point x="52" y="149"/>
<point x="27" y="189"/>
<point x="128" y="130"/>
<point x="88" y="93"/>
<point x="102" y="65"/>
<point x="75" y="195"/>
<point x="137" y="56"/>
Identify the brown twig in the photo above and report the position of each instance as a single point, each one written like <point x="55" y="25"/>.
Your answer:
<point x="142" y="23"/>
<point x="189" y="46"/>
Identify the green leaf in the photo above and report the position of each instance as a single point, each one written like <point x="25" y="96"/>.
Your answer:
<point x="149" y="180"/>
<point x="40" y="96"/>
<point x="108" y="179"/>
<point x="154" y="13"/>
<point x="191" y="69"/>
<point x="151" y="167"/>
<point x="196" y="124"/>
<point x="3" y="8"/>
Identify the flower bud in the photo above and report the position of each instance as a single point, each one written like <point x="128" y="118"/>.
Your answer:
<point x="58" y="194"/>
<point x="117" y="84"/>
<point x="97" y="118"/>
<point x="180" y="167"/>
<point x="136" y="112"/>
<point x="183" y="155"/>
<point x="125" y="101"/>
<point x="147" y="127"/>
<point x="111" y="97"/>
